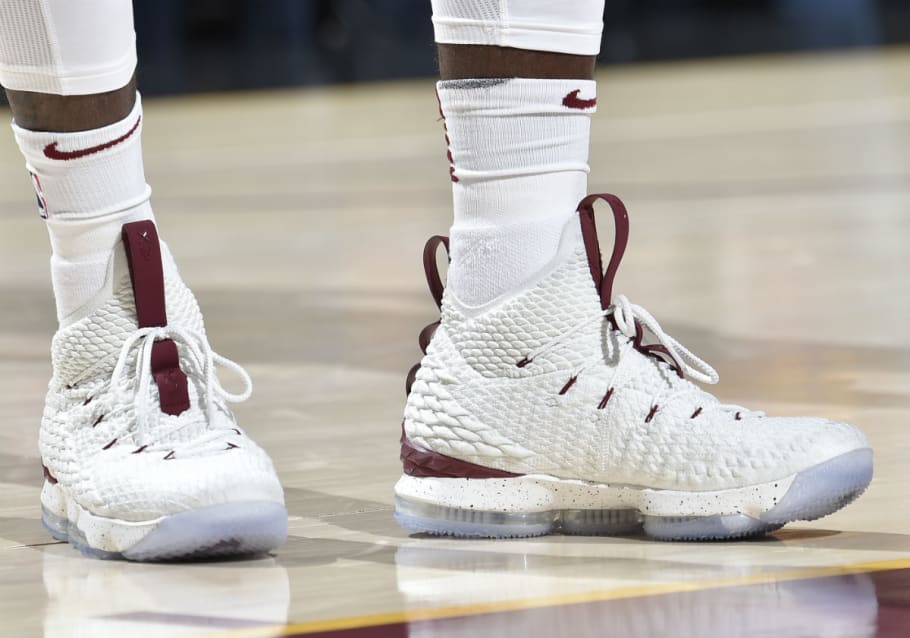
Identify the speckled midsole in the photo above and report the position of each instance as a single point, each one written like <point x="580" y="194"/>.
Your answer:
<point x="541" y="493"/>
<point x="102" y="533"/>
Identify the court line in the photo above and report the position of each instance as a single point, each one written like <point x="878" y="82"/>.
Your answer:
<point x="473" y="609"/>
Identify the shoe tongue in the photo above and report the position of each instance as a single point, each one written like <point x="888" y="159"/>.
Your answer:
<point x="88" y="348"/>
<point x="603" y="280"/>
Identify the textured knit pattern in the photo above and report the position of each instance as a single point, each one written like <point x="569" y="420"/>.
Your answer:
<point x="471" y="401"/>
<point x="90" y="441"/>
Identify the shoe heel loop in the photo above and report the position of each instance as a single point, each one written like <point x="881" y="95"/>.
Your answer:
<point x="437" y="289"/>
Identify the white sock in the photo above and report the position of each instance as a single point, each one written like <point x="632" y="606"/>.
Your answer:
<point x="88" y="185"/>
<point x="519" y="165"/>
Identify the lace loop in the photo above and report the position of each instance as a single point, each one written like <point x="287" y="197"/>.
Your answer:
<point x="627" y="315"/>
<point x="201" y="363"/>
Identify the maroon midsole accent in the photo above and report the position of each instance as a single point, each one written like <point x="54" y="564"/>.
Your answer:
<point x="421" y="463"/>
<point x="48" y="476"/>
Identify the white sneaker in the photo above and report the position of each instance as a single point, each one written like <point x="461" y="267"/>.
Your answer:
<point x="142" y="457"/>
<point x="545" y="410"/>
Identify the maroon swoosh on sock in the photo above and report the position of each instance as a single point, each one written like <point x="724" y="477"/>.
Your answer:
<point x="51" y="152"/>
<point x="572" y="101"/>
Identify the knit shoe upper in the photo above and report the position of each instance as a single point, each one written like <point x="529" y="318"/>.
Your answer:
<point x="122" y="434"/>
<point x="558" y="378"/>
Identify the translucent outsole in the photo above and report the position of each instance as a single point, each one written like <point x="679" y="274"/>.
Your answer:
<point x="230" y="529"/>
<point x="814" y="493"/>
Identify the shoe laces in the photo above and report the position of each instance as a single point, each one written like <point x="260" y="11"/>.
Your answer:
<point x="200" y="362"/>
<point x="628" y="316"/>
<point x="629" y="319"/>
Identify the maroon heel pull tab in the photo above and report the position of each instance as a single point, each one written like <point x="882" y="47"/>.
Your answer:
<point x="143" y="255"/>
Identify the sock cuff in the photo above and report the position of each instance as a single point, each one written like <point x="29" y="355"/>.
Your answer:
<point x="48" y="148"/>
<point x="502" y="97"/>
<point x="87" y="174"/>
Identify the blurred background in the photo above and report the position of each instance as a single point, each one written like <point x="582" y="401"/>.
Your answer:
<point x="210" y="45"/>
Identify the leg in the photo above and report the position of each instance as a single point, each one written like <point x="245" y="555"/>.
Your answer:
<point x="70" y="113"/>
<point x="142" y="457"/>
<point x="539" y="405"/>
<point x="463" y="61"/>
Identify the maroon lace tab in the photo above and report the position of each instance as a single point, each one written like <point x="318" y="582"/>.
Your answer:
<point x="416" y="462"/>
<point x="143" y="255"/>
<point x="173" y="389"/>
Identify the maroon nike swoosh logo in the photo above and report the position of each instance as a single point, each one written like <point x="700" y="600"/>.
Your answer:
<point x="50" y="151"/>
<point x="572" y="101"/>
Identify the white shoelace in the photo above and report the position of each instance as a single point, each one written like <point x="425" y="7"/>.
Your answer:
<point x="200" y="362"/>
<point x="625" y="314"/>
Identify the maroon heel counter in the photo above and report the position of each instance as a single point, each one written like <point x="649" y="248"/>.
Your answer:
<point x="421" y="463"/>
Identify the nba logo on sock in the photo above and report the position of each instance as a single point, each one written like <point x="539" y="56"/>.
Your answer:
<point x="39" y="193"/>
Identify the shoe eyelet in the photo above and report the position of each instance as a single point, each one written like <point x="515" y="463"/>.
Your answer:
<point x="696" y="413"/>
<point x="651" y="413"/>
<point x="109" y="445"/>
<point x="605" y="399"/>
<point x="568" y="385"/>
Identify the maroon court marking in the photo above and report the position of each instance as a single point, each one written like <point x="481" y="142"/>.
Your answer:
<point x="866" y="605"/>
<point x="143" y="255"/>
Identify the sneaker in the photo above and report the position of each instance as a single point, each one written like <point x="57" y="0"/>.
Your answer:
<point x="142" y="457"/>
<point x="558" y="407"/>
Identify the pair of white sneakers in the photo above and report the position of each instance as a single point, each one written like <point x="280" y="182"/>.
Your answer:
<point x="557" y="407"/>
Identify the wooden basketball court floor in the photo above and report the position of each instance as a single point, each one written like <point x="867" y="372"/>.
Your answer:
<point x="770" y="210"/>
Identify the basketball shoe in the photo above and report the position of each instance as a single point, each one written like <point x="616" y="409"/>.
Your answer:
<point x="558" y="407"/>
<point x="142" y="457"/>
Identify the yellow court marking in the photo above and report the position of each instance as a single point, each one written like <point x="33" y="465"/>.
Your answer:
<point x="450" y="611"/>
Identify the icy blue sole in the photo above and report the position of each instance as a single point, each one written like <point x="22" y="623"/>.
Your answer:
<point x="230" y="529"/>
<point x="815" y="492"/>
